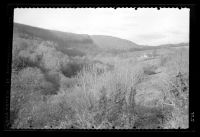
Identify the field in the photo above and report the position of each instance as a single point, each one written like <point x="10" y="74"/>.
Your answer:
<point x="144" y="89"/>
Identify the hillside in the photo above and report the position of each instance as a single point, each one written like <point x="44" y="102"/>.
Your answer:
<point x="63" y="80"/>
<point x="109" y="43"/>
<point x="82" y="44"/>
<point x="174" y="45"/>
<point x="75" y="44"/>
<point x="69" y="43"/>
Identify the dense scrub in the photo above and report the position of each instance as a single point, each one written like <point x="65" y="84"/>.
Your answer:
<point x="49" y="89"/>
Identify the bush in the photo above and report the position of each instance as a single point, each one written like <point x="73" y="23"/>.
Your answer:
<point x="67" y="83"/>
<point x="71" y="69"/>
<point x="27" y="87"/>
<point x="25" y="108"/>
<point x="24" y="54"/>
<point x="20" y="63"/>
<point x="176" y="94"/>
<point x="95" y="97"/>
<point x="51" y="58"/>
<point x="53" y="77"/>
<point x="18" y="45"/>
<point x="46" y="114"/>
<point x="110" y="92"/>
<point x="178" y="62"/>
<point x="30" y="77"/>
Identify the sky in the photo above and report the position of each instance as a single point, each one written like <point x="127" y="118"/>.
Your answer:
<point x="145" y="26"/>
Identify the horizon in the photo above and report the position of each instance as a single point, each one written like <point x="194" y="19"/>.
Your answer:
<point x="106" y="35"/>
<point x="173" y="29"/>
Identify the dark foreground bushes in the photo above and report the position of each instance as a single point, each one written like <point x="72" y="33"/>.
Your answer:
<point x="28" y="86"/>
<point x="20" y="63"/>
<point x="71" y="69"/>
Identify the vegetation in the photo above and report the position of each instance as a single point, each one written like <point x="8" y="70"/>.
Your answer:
<point x="51" y="89"/>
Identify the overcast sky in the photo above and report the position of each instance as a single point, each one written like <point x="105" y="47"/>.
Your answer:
<point x="147" y="26"/>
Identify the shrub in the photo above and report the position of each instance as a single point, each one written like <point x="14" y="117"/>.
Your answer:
<point x="49" y="88"/>
<point x="51" y="58"/>
<point x="24" y="112"/>
<point x="76" y="107"/>
<point x="23" y="54"/>
<point x="176" y="94"/>
<point x="110" y="92"/>
<point x="46" y="113"/>
<point x="31" y="77"/>
<point x="71" y="69"/>
<point x="152" y="117"/>
<point x="20" y="63"/>
<point x="18" y="45"/>
<point x="103" y="99"/>
<point x="67" y="83"/>
<point x="27" y="86"/>
<point x="53" y="77"/>
<point x="178" y="62"/>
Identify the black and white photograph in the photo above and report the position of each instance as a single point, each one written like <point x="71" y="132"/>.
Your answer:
<point x="100" y="68"/>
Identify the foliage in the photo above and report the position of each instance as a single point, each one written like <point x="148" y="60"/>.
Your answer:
<point x="27" y="87"/>
<point x="49" y="89"/>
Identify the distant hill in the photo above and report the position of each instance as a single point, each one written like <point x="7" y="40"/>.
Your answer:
<point x="81" y="44"/>
<point x="109" y="43"/>
<point x="70" y="42"/>
<point x="175" y="45"/>
<point x="144" y="47"/>
<point x="73" y="44"/>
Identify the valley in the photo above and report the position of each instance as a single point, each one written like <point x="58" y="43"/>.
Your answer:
<point x="63" y="80"/>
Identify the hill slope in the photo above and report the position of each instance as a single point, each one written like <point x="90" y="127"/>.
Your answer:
<point x="82" y="44"/>
<point x="75" y="44"/>
<point x="70" y="41"/>
<point x="109" y="43"/>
